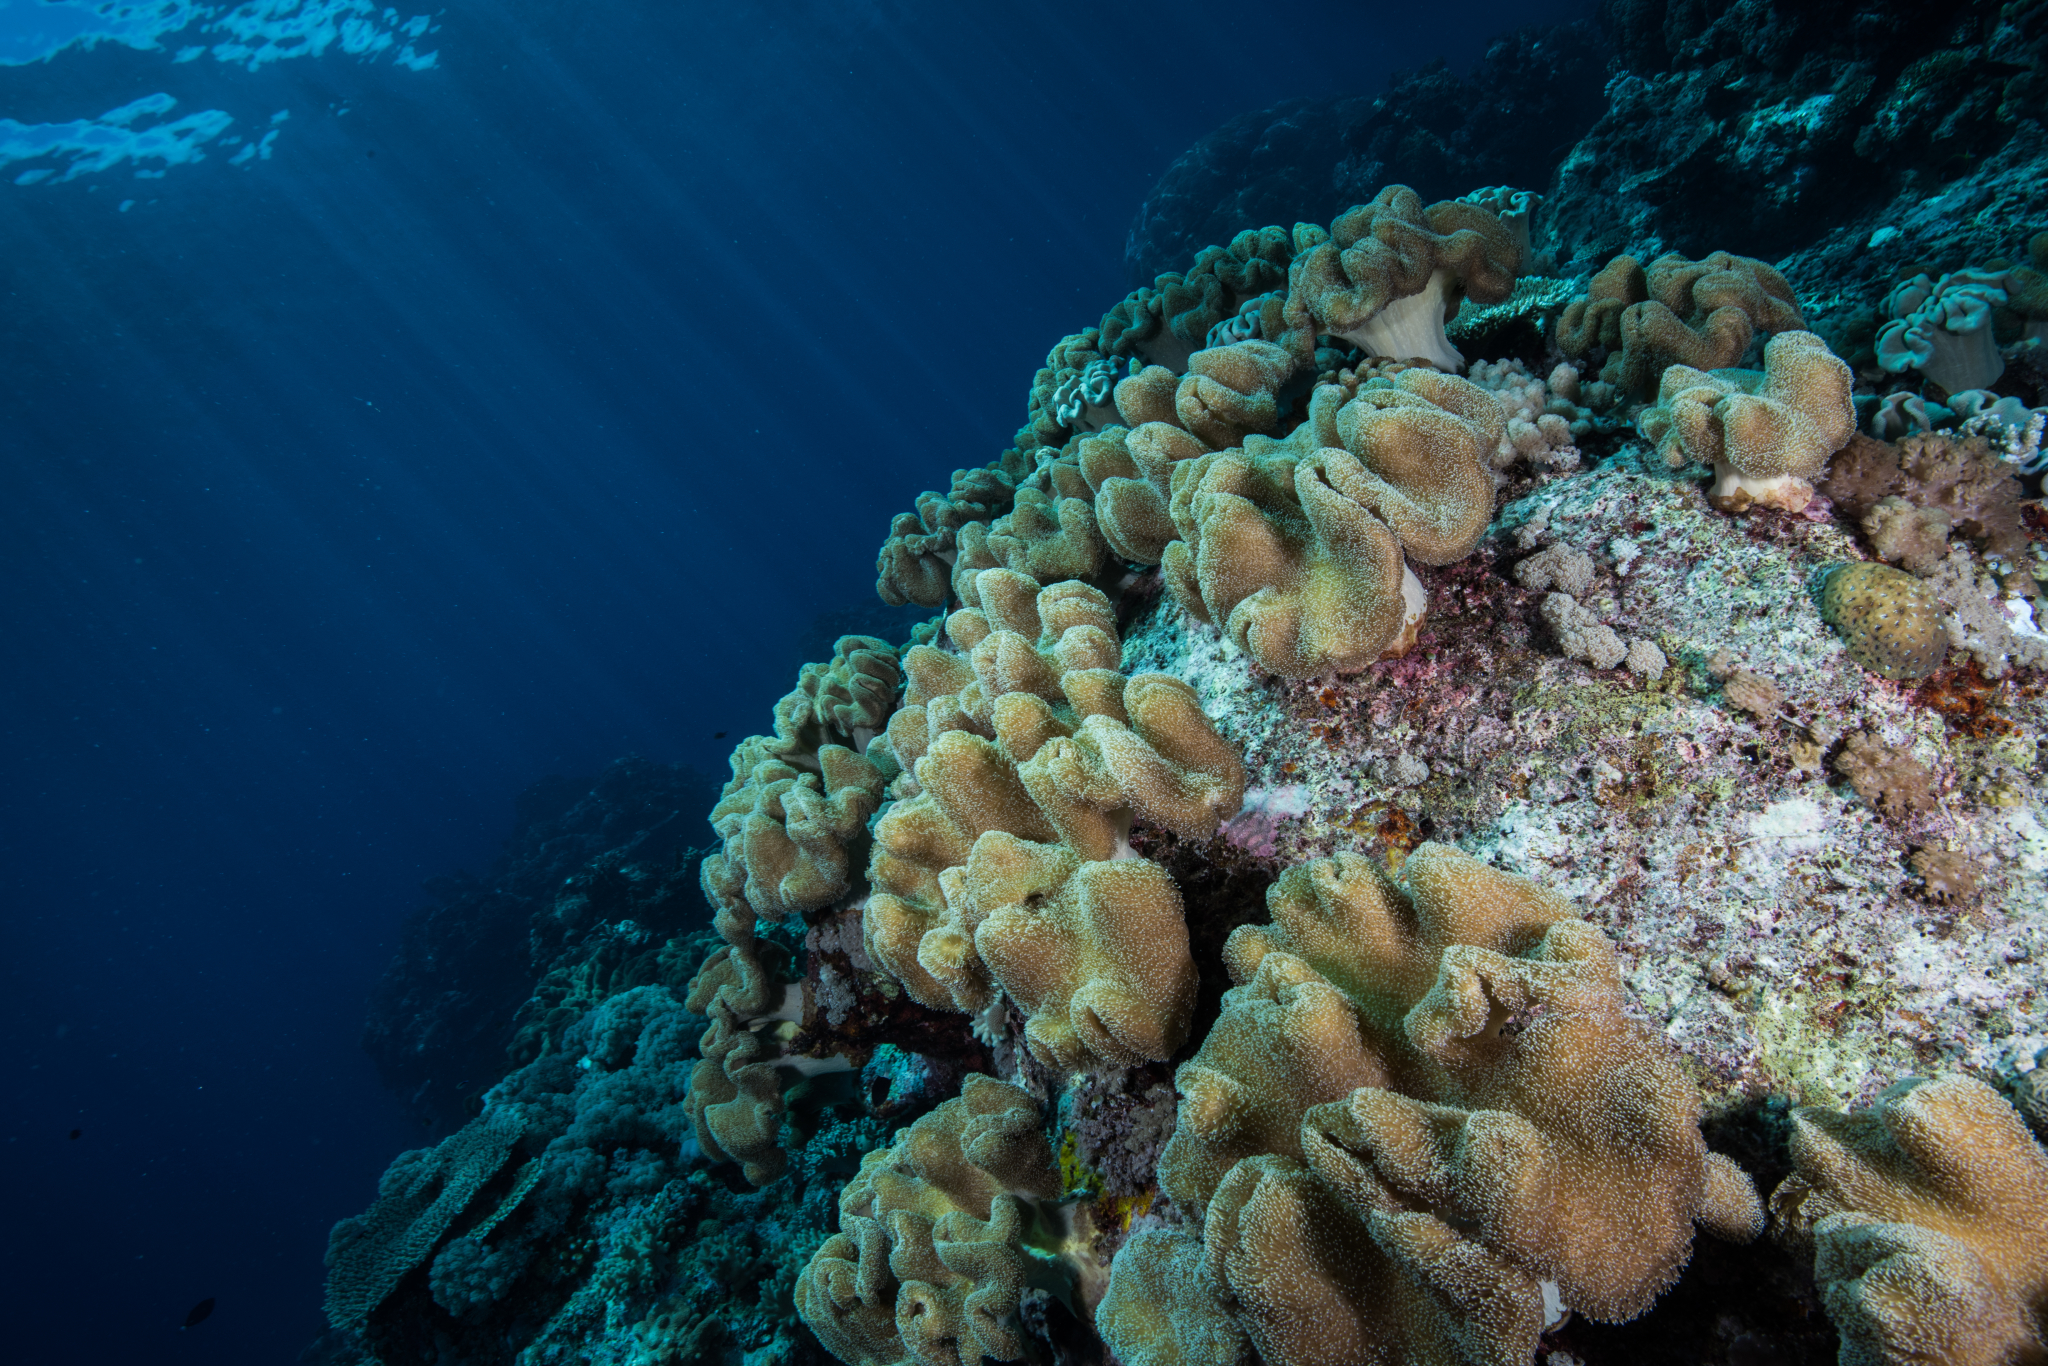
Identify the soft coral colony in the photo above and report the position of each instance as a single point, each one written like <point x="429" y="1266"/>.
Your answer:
<point x="1351" y="872"/>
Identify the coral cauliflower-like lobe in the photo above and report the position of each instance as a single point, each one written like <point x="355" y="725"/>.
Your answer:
<point x="1393" y="271"/>
<point x="1701" y="314"/>
<point x="1422" y="1103"/>
<point x="929" y="1261"/>
<point x="1927" y="1212"/>
<point x="794" y="814"/>
<point x="1005" y="862"/>
<point x="1769" y="433"/>
<point x="1295" y="547"/>
<point x="1942" y="328"/>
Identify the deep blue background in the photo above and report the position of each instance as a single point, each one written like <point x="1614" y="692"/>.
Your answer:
<point x="522" y="416"/>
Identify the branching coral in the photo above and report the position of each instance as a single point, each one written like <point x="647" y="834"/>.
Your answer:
<point x="1392" y="272"/>
<point x="1942" y="328"/>
<point x="1927" y="1213"/>
<point x="1421" y="1105"/>
<point x="1767" y="433"/>
<point x="1295" y="547"/>
<point x="1005" y="863"/>
<point x="1702" y="314"/>
<point x="939" y="1235"/>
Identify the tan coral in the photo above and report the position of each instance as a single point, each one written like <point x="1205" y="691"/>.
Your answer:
<point x="1928" y="1215"/>
<point x="1162" y="1309"/>
<point x="930" y="1259"/>
<point x="1133" y="511"/>
<point x="793" y="817"/>
<point x="915" y="561"/>
<point x="1422" y="1101"/>
<point x="1702" y="314"/>
<point x="1166" y="322"/>
<point x="736" y="1101"/>
<point x="1889" y="620"/>
<point x="1596" y="319"/>
<point x="1232" y="390"/>
<point x="1294" y="548"/>
<point x="1768" y="434"/>
<point x="1095" y="953"/>
<point x="1393" y="271"/>
<point x="1031" y="772"/>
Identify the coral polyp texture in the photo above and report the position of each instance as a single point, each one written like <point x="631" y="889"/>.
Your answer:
<point x="1298" y="547"/>
<point x="793" y="817"/>
<point x="1424" y="1103"/>
<point x="1768" y="434"/>
<point x="1701" y="314"/>
<point x="1927" y="1216"/>
<point x="1449" y="753"/>
<point x="930" y="1259"/>
<point x="1004" y="863"/>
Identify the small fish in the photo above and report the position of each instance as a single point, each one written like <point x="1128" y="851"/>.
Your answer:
<point x="718" y="735"/>
<point x="78" y="1133"/>
<point x="197" y="1314"/>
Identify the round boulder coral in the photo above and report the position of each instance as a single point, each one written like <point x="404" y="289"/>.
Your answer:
<point x="1888" y="619"/>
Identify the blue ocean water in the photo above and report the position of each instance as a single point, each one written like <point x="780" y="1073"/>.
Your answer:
<point x="399" y="407"/>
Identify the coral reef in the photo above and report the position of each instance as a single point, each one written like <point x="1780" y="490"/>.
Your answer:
<point x="930" y="1260"/>
<point x="1942" y="328"/>
<point x="1359" y="864"/>
<point x="1002" y="862"/>
<point x="1392" y="272"/>
<point x="1296" y="547"/>
<point x="594" y="879"/>
<point x="1890" y="623"/>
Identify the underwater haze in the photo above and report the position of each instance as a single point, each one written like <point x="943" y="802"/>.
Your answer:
<point x="400" y="407"/>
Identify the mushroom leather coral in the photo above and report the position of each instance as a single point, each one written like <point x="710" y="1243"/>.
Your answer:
<point x="1422" y="1101"/>
<point x="1767" y="433"/>
<point x="915" y="562"/>
<point x="735" y="1101"/>
<point x="1928" y="1215"/>
<point x="1007" y="865"/>
<point x="795" y="811"/>
<point x="929" y="1261"/>
<point x="1943" y="329"/>
<point x="1700" y="313"/>
<point x="1392" y="271"/>
<point x="1164" y="323"/>
<point x="1295" y="547"/>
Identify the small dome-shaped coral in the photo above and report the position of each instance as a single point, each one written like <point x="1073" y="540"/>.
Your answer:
<point x="1888" y="619"/>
